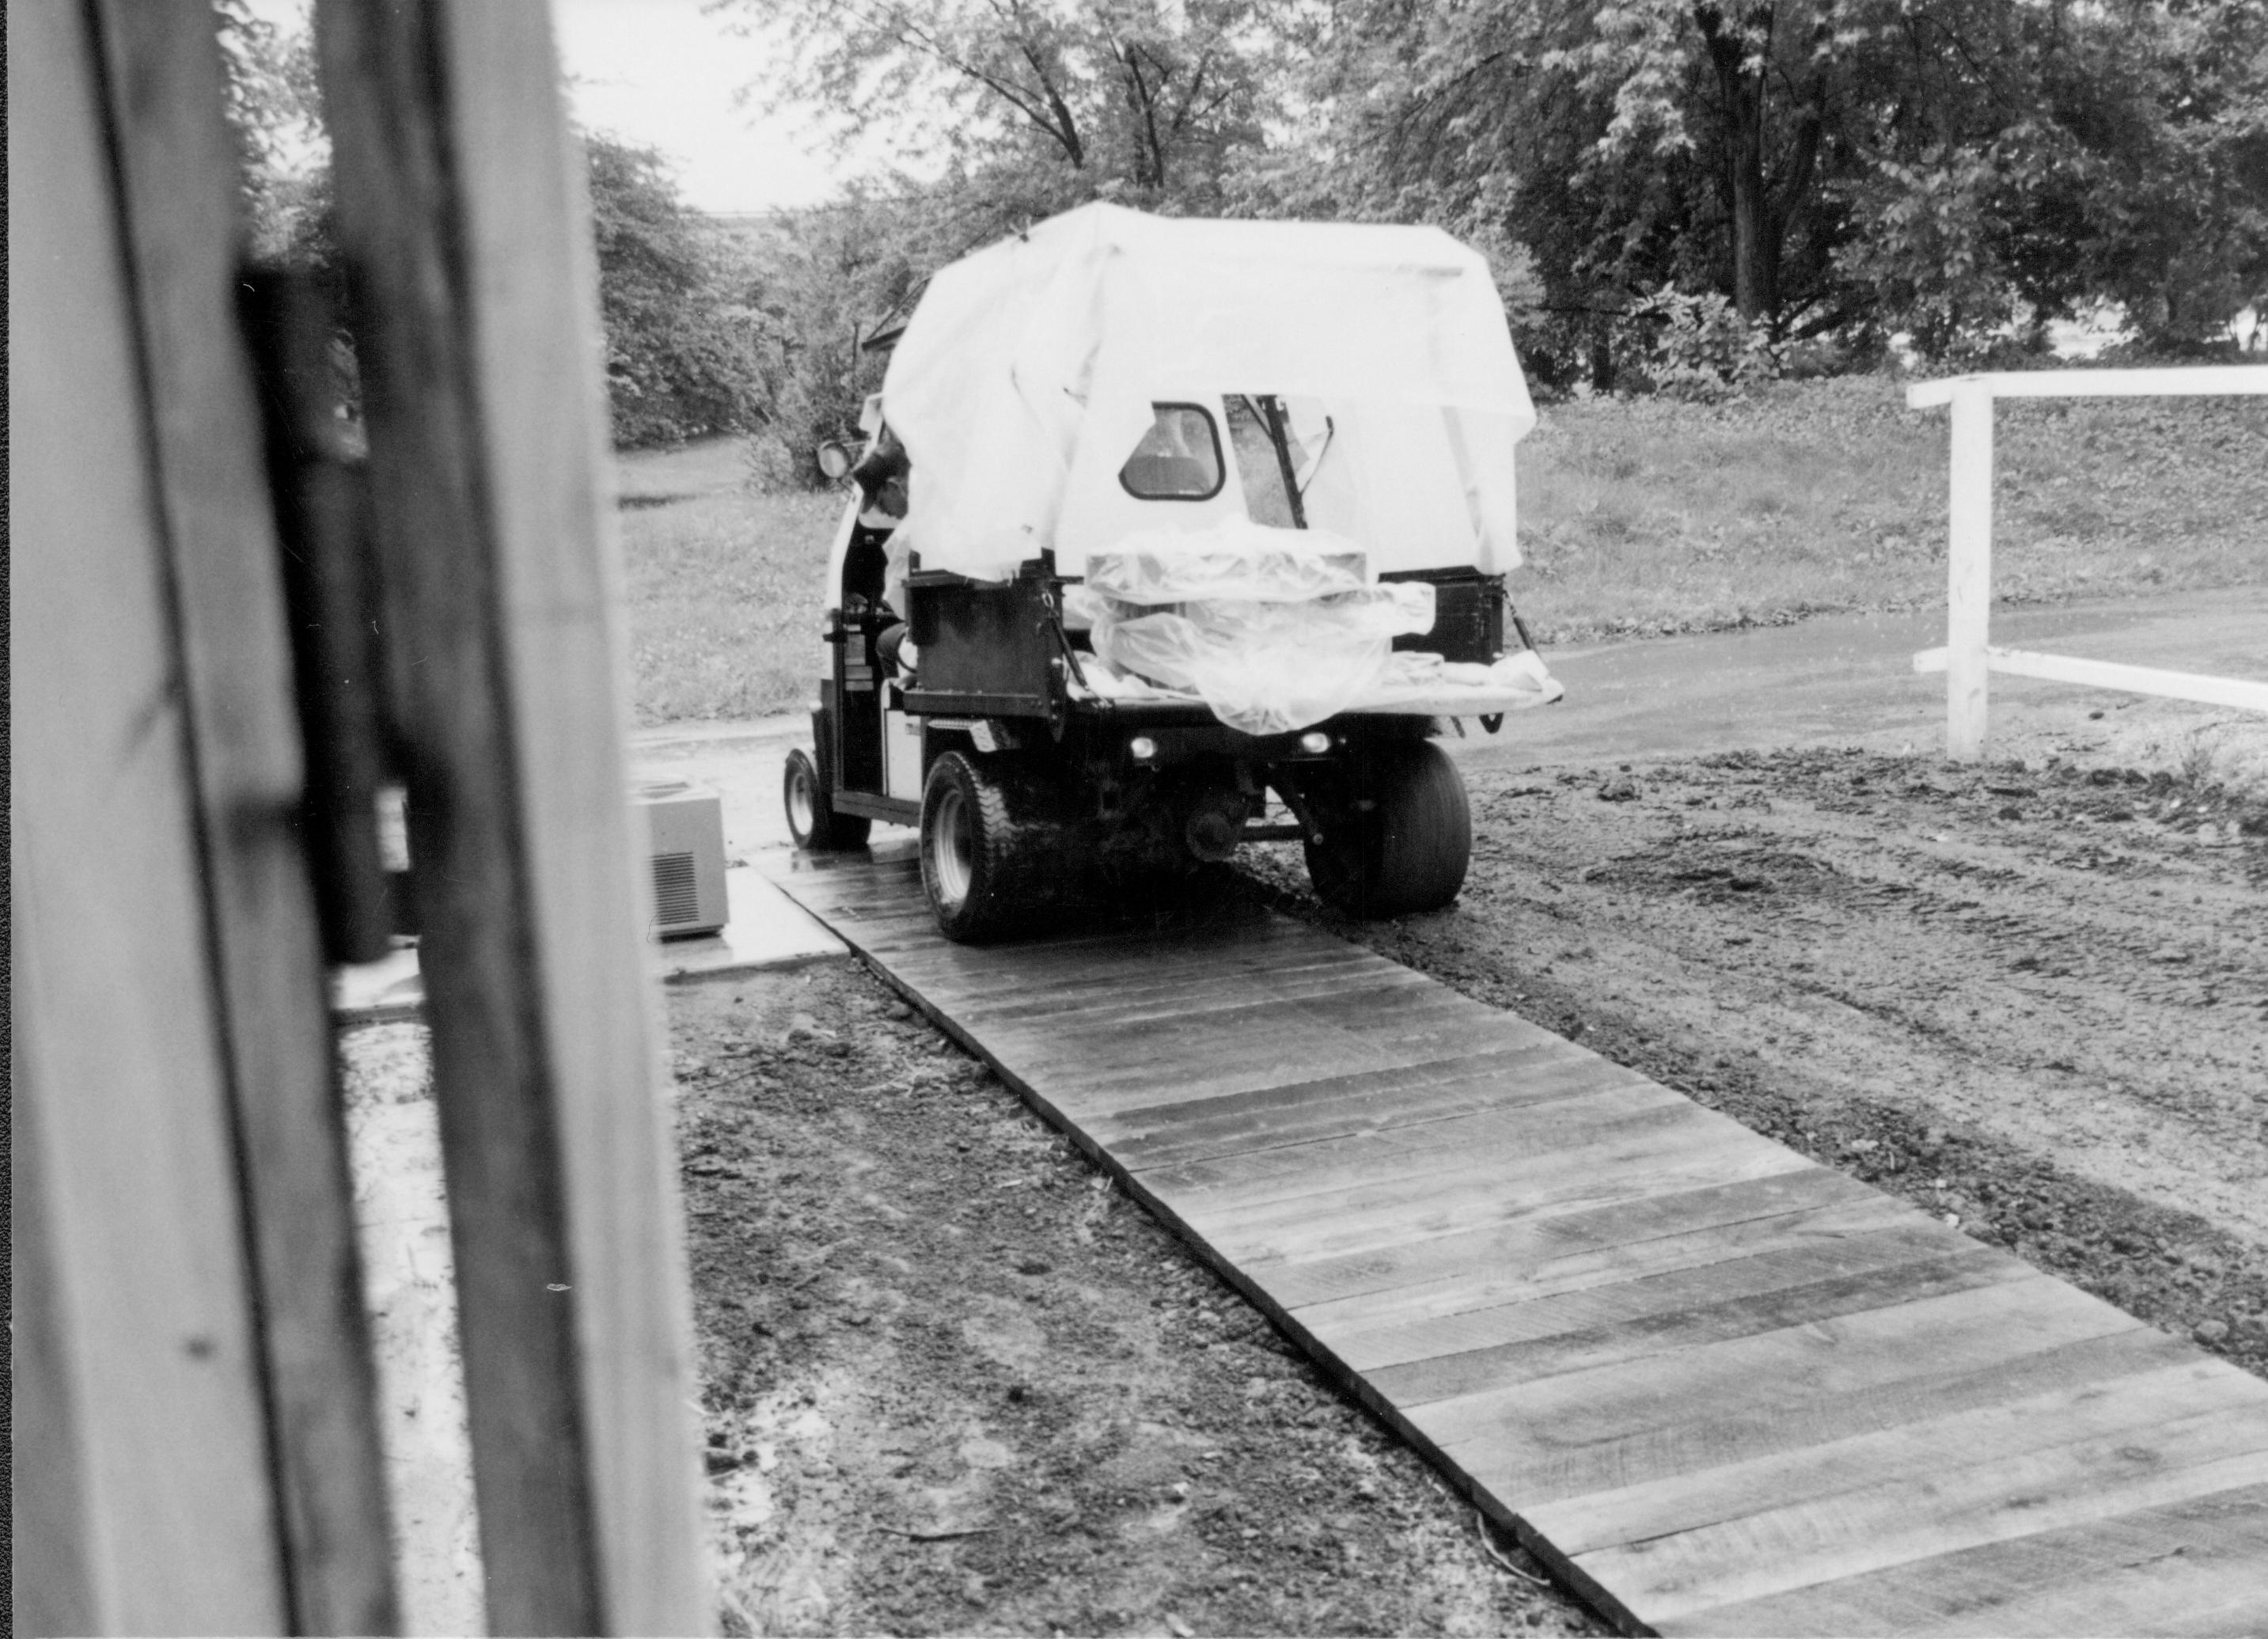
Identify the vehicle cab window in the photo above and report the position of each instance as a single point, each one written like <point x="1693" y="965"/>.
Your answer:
<point x="1178" y="459"/>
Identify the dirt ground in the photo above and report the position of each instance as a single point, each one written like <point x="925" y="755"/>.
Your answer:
<point x="953" y="1383"/>
<point x="2033" y="999"/>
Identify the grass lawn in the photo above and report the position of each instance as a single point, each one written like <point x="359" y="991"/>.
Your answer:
<point x="724" y="586"/>
<point x="1637" y="516"/>
<point x="1650" y="516"/>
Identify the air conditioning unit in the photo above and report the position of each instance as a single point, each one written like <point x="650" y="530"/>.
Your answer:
<point x="685" y="831"/>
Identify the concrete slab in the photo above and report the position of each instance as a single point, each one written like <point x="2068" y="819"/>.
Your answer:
<point x="767" y="930"/>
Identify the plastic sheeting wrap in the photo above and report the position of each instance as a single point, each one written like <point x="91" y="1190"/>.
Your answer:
<point x="1273" y="631"/>
<point x="1417" y="676"/>
<point x="1243" y="561"/>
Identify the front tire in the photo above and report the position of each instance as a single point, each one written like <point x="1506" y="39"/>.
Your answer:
<point x="812" y="820"/>
<point x="994" y="852"/>
<point x="1398" y="837"/>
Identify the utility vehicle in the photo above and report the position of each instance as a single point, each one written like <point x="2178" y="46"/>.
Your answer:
<point x="1168" y="536"/>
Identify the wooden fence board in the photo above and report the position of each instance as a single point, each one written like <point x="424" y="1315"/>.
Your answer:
<point x="462" y="214"/>
<point x="1717" y="1387"/>
<point x="148" y="1471"/>
<point x="177" y="164"/>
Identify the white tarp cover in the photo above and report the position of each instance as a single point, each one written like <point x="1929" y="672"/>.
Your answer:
<point x="1060" y="340"/>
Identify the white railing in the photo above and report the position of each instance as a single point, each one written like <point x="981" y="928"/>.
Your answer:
<point x="1968" y="657"/>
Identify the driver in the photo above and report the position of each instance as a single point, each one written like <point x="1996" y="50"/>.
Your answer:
<point x="881" y="475"/>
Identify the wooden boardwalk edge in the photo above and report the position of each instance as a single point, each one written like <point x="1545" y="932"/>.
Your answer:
<point x="1809" y="1266"/>
<point x="1572" y="1576"/>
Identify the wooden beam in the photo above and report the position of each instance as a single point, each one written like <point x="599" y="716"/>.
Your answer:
<point x="2240" y="693"/>
<point x="2183" y="381"/>
<point x="463" y="224"/>
<point x="137" y="1358"/>
<point x="178" y="169"/>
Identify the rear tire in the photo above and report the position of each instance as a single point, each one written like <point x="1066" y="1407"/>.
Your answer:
<point x="807" y="793"/>
<point x="995" y="846"/>
<point x="1399" y="836"/>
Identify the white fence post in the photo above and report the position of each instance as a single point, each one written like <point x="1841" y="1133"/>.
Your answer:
<point x="1967" y="658"/>
<point x="1969" y="570"/>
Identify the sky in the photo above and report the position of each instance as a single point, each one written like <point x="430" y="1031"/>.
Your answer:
<point x="662" y="74"/>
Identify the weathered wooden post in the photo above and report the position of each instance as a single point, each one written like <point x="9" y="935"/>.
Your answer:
<point x="464" y="228"/>
<point x="197" y="1447"/>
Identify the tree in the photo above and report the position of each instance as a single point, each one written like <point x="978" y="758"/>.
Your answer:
<point x="1136" y="99"/>
<point x="1832" y="165"/>
<point x="686" y="350"/>
<point x="273" y="106"/>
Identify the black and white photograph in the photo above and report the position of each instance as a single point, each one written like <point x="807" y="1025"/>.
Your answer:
<point x="1153" y="818"/>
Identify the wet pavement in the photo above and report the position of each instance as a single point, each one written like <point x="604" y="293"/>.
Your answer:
<point x="1849" y="680"/>
<point x="1832" y="681"/>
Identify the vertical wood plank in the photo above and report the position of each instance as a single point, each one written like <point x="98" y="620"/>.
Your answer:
<point x="147" y="1385"/>
<point x="1969" y="571"/>
<point x="532" y="277"/>
<point x="462" y="221"/>
<point x="53" y="1559"/>
<point x="177" y="171"/>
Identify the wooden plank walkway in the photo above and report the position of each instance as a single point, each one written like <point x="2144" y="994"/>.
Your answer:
<point x="1719" y="1388"/>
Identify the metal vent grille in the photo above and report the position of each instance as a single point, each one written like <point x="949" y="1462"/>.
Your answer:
<point x="675" y="900"/>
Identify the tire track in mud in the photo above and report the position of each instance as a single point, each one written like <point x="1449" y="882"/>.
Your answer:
<point x="2035" y="1000"/>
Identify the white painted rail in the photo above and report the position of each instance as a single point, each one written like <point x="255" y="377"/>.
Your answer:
<point x="1968" y="658"/>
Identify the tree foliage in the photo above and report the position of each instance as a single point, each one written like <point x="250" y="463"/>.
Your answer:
<point x="1705" y="190"/>
<point x="1832" y="166"/>
<point x="275" y="113"/>
<point x="687" y="350"/>
<point x="1138" y="99"/>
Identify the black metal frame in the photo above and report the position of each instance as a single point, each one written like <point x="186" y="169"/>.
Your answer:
<point x="996" y="652"/>
<point x="1468" y="615"/>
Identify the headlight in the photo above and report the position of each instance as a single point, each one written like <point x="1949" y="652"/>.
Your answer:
<point x="1314" y="742"/>
<point x="1142" y="748"/>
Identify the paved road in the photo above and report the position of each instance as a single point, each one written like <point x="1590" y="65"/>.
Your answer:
<point x="1848" y="679"/>
<point x="1838" y="680"/>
